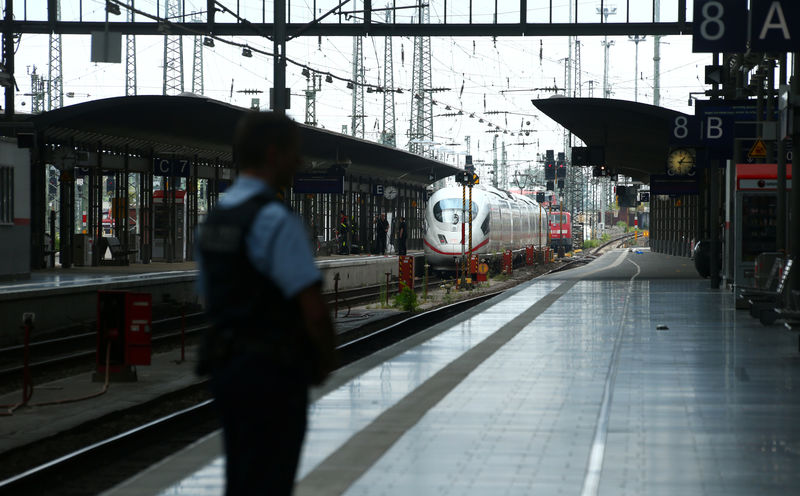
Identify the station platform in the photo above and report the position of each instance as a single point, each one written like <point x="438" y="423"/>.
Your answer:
<point x="64" y="297"/>
<point x="628" y="376"/>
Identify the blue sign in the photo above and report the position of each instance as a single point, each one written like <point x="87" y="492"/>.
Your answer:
<point x="670" y="185"/>
<point x="172" y="167"/>
<point x="719" y="26"/>
<point x="685" y="131"/>
<point x="318" y="183"/>
<point x="721" y="121"/>
<point x="775" y="25"/>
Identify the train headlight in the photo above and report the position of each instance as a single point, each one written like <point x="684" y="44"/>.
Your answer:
<point x="442" y="239"/>
<point x="455" y="219"/>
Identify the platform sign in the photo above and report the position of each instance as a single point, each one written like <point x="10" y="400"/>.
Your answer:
<point x="172" y="167"/>
<point x="721" y="121"/>
<point x="720" y="26"/>
<point x="685" y="131"/>
<point x="318" y="183"/>
<point x="774" y="25"/>
<point x="671" y="185"/>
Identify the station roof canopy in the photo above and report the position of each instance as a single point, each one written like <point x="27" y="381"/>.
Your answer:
<point x="201" y="129"/>
<point x="635" y="135"/>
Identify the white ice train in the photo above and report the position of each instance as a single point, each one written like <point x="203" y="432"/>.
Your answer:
<point x="500" y="221"/>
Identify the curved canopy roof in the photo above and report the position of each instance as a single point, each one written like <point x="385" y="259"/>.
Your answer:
<point x="635" y="135"/>
<point x="194" y="126"/>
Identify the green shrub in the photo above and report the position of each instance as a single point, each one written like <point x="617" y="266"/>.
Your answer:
<point x="590" y="243"/>
<point x="406" y="300"/>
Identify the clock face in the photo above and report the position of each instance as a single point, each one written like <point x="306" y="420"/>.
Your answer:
<point x="681" y="162"/>
<point x="390" y="192"/>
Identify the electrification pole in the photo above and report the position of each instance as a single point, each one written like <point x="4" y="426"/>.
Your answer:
<point x="55" y="97"/>
<point x="636" y="39"/>
<point x="421" y="134"/>
<point x="657" y="57"/>
<point x="173" y="51"/>
<point x="388" y="135"/>
<point x="357" y="117"/>
<point x="130" y="58"/>
<point x="605" y="12"/>
<point x="197" y="63"/>
<point x="313" y="85"/>
<point x="495" y="181"/>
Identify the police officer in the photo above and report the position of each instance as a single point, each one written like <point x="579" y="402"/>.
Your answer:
<point x="271" y="334"/>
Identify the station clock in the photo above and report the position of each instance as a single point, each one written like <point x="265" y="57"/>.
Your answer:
<point x="681" y="162"/>
<point x="390" y="192"/>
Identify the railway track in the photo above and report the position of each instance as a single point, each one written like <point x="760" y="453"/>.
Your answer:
<point x="88" y="469"/>
<point x="618" y="241"/>
<point x="79" y="348"/>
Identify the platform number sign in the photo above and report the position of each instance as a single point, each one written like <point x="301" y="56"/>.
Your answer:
<point x="685" y="131"/>
<point x="173" y="167"/>
<point x="719" y="26"/>
<point x="774" y="25"/>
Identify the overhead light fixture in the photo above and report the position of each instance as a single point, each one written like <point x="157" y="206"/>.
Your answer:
<point x="209" y="42"/>
<point x="480" y="120"/>
<point x="328" y="79"/>
<point x="471" y="116"/>
<point x="305" y="72"/>
<point x="399" y="91"/>
<point x="369" y="89"/>
<point x="447" y="107"/>
<point x="349" y="85"/>
<point x="460" y="112"/>
<point x="246" y="52"/>
<point x="112" y="8"/>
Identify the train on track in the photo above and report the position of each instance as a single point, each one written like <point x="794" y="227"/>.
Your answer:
<point x="560" y="230"/>
<point x="500" y="221"/>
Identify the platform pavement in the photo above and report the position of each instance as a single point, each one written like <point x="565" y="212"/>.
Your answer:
<point x="609" y="386"/>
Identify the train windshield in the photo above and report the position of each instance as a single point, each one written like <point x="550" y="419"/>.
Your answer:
<point x="449" y="210"/>
<point x="558" y="218"/>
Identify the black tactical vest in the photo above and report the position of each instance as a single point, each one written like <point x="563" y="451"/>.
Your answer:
<point x="248" y="313"/>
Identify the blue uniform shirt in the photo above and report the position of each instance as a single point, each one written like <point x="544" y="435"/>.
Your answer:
<point x="277" y="245"/>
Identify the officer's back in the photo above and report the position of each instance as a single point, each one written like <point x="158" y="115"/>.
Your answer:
<point x="271" y="333"/>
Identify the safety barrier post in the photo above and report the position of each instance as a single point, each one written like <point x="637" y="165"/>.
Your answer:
<point x="426" y="281"/>
<point x="27" y="383"/>
<point x="388" y="274"/>
<point x="183" y="332"/>
<point x="336" y="295"/>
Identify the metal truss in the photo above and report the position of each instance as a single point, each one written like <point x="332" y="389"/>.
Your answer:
<point x="388" y="132"/>
<point x="544" y="25"/>
<point x="130" y="59"/>
<point x="313" y="85"/>
<point x="421" y="132"/>
<point x="173" y="52"/>
<point x="37" y="92"/>
<point x="197" y="67"/>
<point x="357" y="117"/>
<point x="55" y="95"/>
